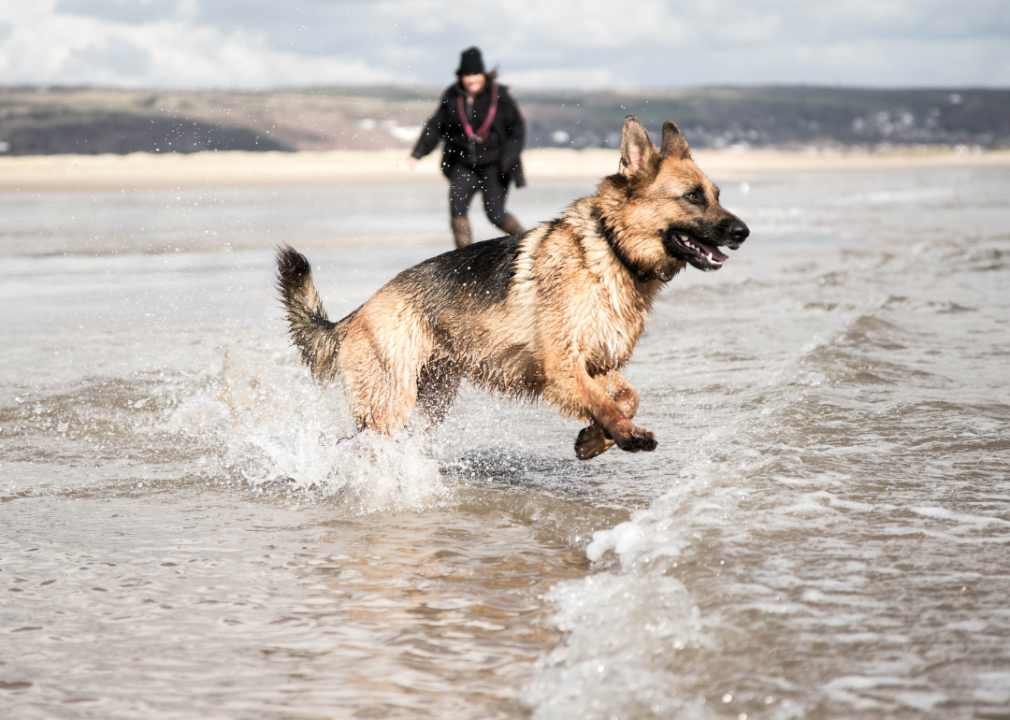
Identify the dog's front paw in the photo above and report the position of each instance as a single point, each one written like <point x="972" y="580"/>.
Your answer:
<point x="592" y="441"/>
<point x="637" y="440"/>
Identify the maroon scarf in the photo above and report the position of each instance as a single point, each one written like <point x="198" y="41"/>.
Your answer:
<point x="485" y="129"/>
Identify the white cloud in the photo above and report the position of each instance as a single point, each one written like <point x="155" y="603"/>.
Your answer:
<point x="116" y="57"/>
<point x="48" y="47"/>
<point x="133" y="12"/>
<point x="263" y="43"/>
<point x="580" y="79"/>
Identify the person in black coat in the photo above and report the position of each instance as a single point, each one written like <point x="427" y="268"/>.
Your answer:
<point x="484" y="134"/>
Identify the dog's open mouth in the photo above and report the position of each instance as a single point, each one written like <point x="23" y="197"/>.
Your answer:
<point x="702" y="256"/>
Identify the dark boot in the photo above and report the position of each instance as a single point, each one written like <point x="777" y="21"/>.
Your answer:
<point x="512" y="226"/>
<point x="461" y="231"/>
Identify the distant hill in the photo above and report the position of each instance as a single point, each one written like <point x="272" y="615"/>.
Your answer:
<point x="780" y="116"/>
<point x="74" y="120"/>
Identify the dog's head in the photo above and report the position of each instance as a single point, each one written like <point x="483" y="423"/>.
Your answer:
<point x="661" y="211"/>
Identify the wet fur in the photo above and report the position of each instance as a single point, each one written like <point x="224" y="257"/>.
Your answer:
<point x="553" y="314"/>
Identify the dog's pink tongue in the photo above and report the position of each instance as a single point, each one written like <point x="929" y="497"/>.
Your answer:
<point x="714" y="253"/>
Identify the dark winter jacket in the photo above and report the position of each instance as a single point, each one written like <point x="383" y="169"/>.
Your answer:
<point x="502" y="147"/>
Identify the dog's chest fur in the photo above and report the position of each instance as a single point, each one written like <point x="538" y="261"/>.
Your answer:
<point x="576" y="293"/>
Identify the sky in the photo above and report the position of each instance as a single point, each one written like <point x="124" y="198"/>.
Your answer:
<point x="259" y="44"/>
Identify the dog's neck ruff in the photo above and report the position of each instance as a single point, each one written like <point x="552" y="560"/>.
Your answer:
<point x="640" y="273"/>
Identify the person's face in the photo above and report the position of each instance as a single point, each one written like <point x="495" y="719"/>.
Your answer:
<point x="473" y="84"/>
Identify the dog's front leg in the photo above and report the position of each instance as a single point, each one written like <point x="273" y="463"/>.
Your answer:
<point x="592" y="440"/>
<point x="573" y="389"/>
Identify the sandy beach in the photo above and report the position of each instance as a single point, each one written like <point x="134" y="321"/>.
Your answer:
<point x="35" y="173"/>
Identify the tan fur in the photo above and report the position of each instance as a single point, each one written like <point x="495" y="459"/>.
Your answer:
<point x="577" y="299"/>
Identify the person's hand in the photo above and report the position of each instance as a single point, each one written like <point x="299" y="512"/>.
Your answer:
<point x="412" y="162"/>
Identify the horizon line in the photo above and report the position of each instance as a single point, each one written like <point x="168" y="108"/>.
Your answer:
<point x="623" y="90"/>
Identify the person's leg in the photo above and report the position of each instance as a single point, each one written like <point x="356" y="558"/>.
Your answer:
<point x="495" y="189"/>
<point x="461" y="231"/>
<point x="462" y="187"/>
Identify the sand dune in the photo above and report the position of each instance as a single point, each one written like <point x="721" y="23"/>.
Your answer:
<point x="341" y="167"/>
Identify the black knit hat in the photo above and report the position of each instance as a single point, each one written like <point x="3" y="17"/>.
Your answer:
<point x="470" y="63"/>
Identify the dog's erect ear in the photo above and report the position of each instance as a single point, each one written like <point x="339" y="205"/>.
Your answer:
<point x="674" y="142"/>
<point x="637" y="148"/>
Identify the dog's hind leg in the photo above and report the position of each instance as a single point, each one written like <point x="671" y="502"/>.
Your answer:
<point x="383" y="352"/>
<point x="592" y="440"/>
<point x="381" y="401"/>
<point x="436" y="389"/>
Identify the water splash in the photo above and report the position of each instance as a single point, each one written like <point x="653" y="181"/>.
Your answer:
<point x="278" y="432"/>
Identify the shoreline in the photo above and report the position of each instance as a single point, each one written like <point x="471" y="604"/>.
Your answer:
<point x="147" y="171"/>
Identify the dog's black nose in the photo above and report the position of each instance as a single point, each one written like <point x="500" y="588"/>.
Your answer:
<point x="738" y="232"/>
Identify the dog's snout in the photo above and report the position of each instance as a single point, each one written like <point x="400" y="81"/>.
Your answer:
<point x="738" y="232"/>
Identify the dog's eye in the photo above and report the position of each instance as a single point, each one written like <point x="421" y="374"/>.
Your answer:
<point x="694" y="198"/>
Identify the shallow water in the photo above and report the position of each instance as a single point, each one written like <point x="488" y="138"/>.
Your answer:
<point x="822" y="532"/>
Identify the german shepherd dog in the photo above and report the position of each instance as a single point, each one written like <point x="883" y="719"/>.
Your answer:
<point x="552" y="314"/>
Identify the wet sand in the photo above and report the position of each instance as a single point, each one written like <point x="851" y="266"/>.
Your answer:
<point x="36" y="173"/>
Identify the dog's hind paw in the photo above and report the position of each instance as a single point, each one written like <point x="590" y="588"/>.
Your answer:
<point x="637" y="440"/>
<point x="592" y="441"/>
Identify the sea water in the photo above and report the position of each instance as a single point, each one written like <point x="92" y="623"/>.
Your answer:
<point x="190" y="528"/>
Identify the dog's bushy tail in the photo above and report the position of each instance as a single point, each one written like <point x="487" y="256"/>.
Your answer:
<point x="311" y="331"/>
